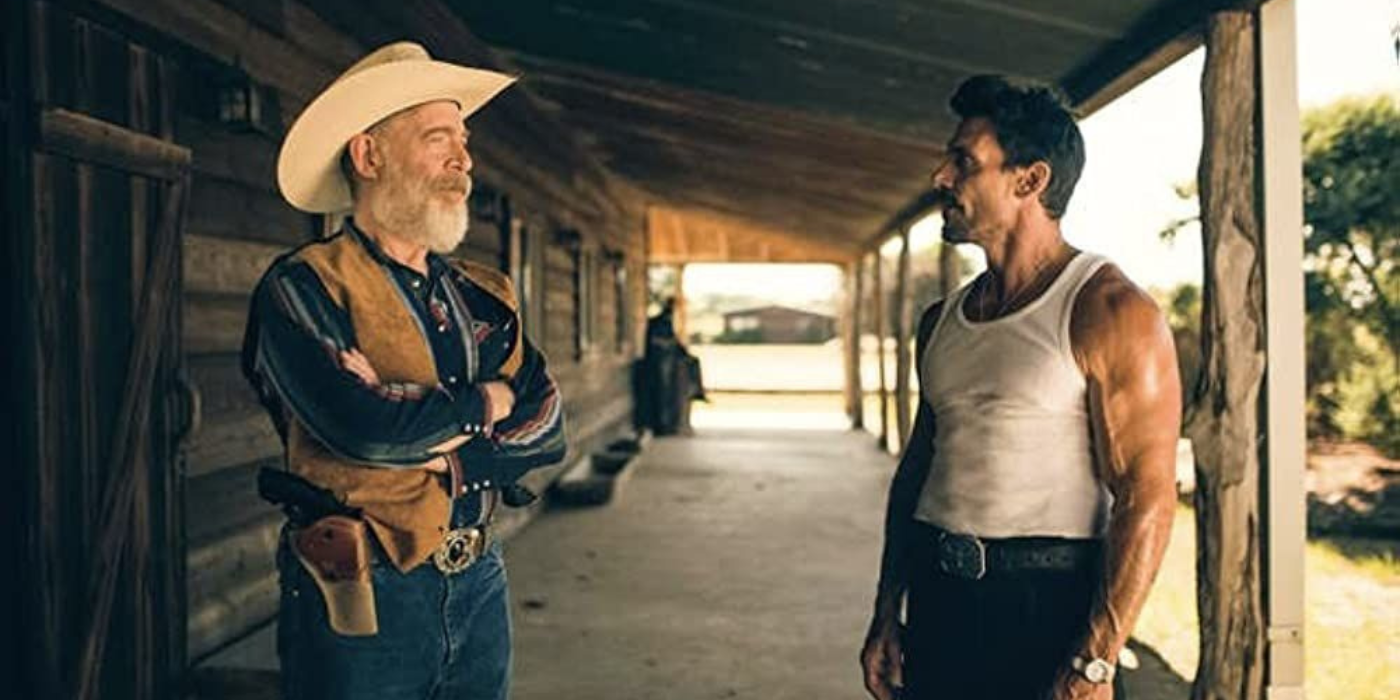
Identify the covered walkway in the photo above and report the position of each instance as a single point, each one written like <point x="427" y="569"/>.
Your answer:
<point x="735" y="564"/>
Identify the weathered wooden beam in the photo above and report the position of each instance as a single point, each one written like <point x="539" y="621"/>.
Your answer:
<point x="84" y="138"/>
<point x="686" y="235"/>
<point x="1158" y="40"/>
<point x="879" y="295"/>
<point x="903" y="354"/>
<point x="1224" y="418"/>
<point x="852" y="318"/>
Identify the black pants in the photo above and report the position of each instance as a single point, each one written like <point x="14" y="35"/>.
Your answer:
<point x="1004" y="637"/>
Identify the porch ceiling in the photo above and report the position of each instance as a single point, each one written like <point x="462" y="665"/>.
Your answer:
<point x="821" y="117"/>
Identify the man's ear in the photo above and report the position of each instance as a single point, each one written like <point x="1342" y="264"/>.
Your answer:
<point x="1033" y="180"/>
<point x="365" y="156"/>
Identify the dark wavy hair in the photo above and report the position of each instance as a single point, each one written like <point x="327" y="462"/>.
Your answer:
<point x="1032" y="123"/>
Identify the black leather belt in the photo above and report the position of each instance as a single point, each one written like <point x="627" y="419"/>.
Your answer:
<point x="971" y="557"/>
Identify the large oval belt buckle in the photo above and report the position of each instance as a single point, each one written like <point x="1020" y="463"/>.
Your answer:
<point x="964" y="556"/>
<point x="457" y="551"/>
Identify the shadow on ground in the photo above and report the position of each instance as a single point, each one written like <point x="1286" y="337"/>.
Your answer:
<point x="1153" y="679"/>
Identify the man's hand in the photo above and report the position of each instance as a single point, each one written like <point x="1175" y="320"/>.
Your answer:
<point x="356" y="363"/>
<point x="502" y="400"/>
<point x="436" y="464"/>
<point x="882" y="659"/>
<point x="1072" y="686"/>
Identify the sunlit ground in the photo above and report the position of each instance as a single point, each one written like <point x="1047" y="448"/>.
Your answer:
<point x="1353" y="586"/>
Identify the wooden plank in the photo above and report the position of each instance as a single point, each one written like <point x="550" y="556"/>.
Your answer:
<point x="230" y="440"/>
<point x="226" y="502"/>
<point x="247" y="158"/>
<point x="226" y="209"/>
<point x="230" y="38"/>
<point x="214" y="324"/>
<point x="225" y="266"/>
<point x="230" y="613"/>
<point x="78" y="136"/>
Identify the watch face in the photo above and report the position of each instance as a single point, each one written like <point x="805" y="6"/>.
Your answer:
<point x="1098" y="671"/>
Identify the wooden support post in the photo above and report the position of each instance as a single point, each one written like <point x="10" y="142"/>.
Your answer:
<point x="1241" y="643"/>
<point x="879" y="296"/>
<point x="1285" y="441"/>
<point x="680" y="314"/>
<point x="903" y="357"/>
<point x="855" y="393"/>
<point x="949" y="269"/>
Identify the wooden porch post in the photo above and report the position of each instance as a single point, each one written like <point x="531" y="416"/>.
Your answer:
<point x="948" y="269"/>
<point x="879" y="295"/>
<point x="1286" y="443"/>
<point x="1249" y="554"/>
<point x="855" y="393"/>
<point x="680" y="312"/>
<point x="903" y="355"/>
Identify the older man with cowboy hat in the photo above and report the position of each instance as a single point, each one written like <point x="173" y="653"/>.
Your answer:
<point x="406" y="395"/>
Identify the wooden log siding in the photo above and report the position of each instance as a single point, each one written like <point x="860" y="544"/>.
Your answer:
<point x="238" y="223"/>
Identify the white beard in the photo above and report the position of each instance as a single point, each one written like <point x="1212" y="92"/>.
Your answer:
<point x="411" y="211"/>
<point x="443" y="227"/>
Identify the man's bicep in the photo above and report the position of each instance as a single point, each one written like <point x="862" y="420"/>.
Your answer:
<point x="1135" y="394"/>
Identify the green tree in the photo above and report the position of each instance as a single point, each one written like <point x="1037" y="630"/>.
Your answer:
<point x="1351" y="195"/>
<point x="1351" y="199"/>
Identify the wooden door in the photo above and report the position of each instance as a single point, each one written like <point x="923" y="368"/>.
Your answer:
<point x="96" y="277"/>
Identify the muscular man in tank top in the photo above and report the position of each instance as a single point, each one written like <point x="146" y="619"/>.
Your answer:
<point x="1033" y="504"/>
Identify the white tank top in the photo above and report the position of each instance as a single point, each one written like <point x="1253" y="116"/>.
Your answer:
<point x="1012" y="452"/>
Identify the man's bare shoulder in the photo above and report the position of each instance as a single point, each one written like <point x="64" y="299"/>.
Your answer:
<point x="1114" y="318"/>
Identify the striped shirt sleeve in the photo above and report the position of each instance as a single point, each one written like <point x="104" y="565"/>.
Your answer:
<point x="531" y="436"/>
<point x="293" y="348"/>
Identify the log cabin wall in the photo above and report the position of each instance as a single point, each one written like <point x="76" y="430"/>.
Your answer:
<point x="543" y="210"/>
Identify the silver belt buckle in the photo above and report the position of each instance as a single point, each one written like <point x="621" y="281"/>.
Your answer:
<point x="963" y="556"/>
<point x="459" y="550"/>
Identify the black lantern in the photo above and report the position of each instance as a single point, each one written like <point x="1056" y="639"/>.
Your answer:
<point x="244" y="105"/>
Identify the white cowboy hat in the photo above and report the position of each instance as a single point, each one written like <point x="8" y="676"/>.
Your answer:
<point x="389" y="80"/>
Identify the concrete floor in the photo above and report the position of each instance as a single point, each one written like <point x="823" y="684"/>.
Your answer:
<point x="734" y="564"/>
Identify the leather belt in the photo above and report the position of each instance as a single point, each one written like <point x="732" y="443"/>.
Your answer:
<point x="971" y="557"/>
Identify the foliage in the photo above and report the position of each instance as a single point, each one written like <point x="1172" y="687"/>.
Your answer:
<point x="1351" y="167"/>
<point x="1182" y="305"/>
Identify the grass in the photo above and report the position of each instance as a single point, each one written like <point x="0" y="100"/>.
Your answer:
<point x="1352" y="615"/>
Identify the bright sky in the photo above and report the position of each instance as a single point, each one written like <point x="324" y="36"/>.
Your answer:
<point x="1138" y="148"/>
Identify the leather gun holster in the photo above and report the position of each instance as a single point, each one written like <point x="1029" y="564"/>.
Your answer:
<point x="336" y="552"/>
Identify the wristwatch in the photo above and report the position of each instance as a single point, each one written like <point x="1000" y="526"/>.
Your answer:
<point x="1097" y="671"/>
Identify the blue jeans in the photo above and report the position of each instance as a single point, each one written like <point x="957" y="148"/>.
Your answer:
<point x="440" y="637"/>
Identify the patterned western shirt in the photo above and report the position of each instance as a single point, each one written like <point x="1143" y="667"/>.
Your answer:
<point x="292" y="356"/>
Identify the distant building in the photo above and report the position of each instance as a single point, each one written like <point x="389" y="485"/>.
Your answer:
<point x="777" y="324"/>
